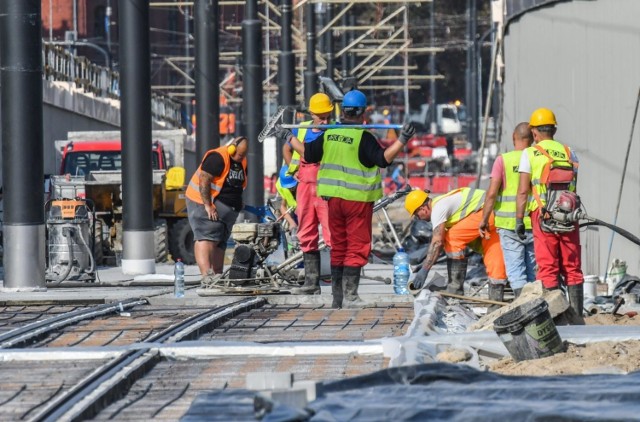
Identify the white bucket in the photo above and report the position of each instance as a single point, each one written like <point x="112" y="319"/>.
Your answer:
<point x="591" y="286"/>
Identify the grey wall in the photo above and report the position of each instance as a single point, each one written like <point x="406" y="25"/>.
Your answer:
<point x="582" y="60"/>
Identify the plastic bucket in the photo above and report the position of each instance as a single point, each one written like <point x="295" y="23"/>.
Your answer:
<point x="591" y="286"/>
<point x="528" y="331"/>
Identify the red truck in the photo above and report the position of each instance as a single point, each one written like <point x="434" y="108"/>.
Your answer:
<point x="90" y="165"/>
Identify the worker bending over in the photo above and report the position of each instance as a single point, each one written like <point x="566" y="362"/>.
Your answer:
<point x="455" y="218"/>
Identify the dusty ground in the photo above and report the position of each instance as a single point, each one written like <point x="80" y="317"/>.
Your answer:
<point x="609" y="357"/>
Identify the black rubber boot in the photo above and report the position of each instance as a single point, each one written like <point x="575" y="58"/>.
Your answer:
<point x="311" y="284"/>
<point x="517" y="292"/>
<point x="496" y="292"/>
<point x="576" y="298"/>
<point x="336" y="286"/>
<point x="351" y="280"/>
<point x="457" y="272"/>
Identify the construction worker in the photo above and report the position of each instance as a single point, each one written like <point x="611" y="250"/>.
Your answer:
<point x="286" y="186"/>
<point x="455" y="217"/>
<point x="519" y="258"/>
<point x="556" y="253"/>
<point x="311" y="210"/>
<point x="349" y="177"/>
<point x="214" y="199"/>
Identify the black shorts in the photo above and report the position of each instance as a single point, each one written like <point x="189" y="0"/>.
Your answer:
<point x="205" y="229"/>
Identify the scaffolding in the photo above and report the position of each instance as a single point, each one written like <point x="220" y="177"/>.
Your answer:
<point x="375" y="48"/>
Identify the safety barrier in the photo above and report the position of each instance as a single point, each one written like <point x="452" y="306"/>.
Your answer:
<point x="60" y="65"/>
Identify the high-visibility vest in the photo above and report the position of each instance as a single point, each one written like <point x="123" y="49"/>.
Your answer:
<point x="295" y="157"/>
<point x="287" y="195"/>
<point x="341" y="174"/>
<point x="193" y="189"/>
<point x="505" y="206"/>
<point x="561" y="156"/>
<point x="472" y="201"/>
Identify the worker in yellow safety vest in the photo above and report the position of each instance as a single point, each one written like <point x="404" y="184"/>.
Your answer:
<point x="455" y="217"/>
<point x="519" y="257"/>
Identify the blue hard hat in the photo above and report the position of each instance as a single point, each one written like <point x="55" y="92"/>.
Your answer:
<point x="354" y="98"/>
<point x="287" y="181"/>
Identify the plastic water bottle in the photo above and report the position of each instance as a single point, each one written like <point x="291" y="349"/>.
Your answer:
<point x="400" y="272"/>
<point x="178" y="281"/>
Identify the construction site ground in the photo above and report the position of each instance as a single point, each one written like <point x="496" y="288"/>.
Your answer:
<point x="298" y="335"/>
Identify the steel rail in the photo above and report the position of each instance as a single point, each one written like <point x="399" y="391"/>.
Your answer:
<point x="109" y="382"/>
<point x="37" y="330"/>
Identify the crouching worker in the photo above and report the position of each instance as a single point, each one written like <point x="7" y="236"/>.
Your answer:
<point x="455" y="218"/>
<point x="286" y="187"/>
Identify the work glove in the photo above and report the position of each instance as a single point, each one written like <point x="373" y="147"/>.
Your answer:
<point x="419" y="280"/>
<point x="284" y="134"/>
<point x="407" y="133"/>
<point x="520" y="230"/>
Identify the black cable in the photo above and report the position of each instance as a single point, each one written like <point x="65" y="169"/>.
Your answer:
<point x="620" y="231"/>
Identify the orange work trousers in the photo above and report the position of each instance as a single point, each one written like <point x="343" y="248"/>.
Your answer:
<point x="464" y="232"/>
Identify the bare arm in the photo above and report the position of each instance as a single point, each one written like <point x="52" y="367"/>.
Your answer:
<point x="287" y="153"/>
<point x="489" y="203"/>
<point x="523" y="194"/>
<point x="204" y="183"/>
<point x="297" y="145"/>
<point x="435" y="248"/>
<point x="391" y="152"/>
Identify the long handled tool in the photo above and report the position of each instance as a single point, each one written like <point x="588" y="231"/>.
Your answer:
<point x="339" y="126"/>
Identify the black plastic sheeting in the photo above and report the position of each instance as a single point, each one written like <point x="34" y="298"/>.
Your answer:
<point x="446" y="392"/>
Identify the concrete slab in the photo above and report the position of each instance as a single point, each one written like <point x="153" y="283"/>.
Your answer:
<point x="112" y="285"/>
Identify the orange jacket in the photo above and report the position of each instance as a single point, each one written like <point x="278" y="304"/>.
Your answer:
<point x="193" y="189"/>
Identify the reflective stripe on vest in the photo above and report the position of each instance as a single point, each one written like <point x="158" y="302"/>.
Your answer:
<point x="472" y="201"/>
<point x="538" y="161"/>
<point x="295" y="157"/>
<point x="341" y="174"/>
<point x="193" y="188"/>
<point x="505" y="206"/>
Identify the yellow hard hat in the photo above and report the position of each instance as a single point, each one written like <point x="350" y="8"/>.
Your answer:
<point x="542" y="117"/>
<point x="320" y="103"/>
<point x="414" y="200"/>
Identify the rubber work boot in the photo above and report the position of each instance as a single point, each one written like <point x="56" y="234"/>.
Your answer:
<point x="576" y="298"/>
<point x="496" y="292"/>
<point x="311" y="284"/>
<point x="457" y="272"/>
<point x="351" y="280"/>
<point x="336" y="286"/>
<point x="517" y="292"/>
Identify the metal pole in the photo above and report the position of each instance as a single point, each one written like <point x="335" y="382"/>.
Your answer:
<point x="474" y="77"/>
<point x="329" y="44"/>
<point x="344" y="60"/>
<point x="310" y="75"/>
<point x="206" y="76"/>
<point x="405" y="19"/>
<point x="187" y="104"/>
<point x="432" y="69"/>
<point x="137" y="172"/>
<point x="252" y="112"/>
<point x="22" y="147"/>
<point x="286" y="63"/>
<point x="50" y="20"/>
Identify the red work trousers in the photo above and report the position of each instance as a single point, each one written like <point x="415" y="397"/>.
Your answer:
<point x="311" y="211"/>
<point x="556" y="254"/>
<point x="350" y="232"/>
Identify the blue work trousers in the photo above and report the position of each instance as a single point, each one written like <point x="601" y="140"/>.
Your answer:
<point x="519" y="257"/>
